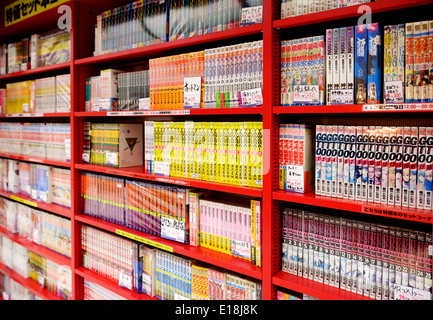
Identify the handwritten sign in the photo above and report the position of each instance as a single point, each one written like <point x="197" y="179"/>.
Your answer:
<point x="240" y="248"/>
<point x="144" y="240"/>
<point x="251" y="98"/>
<point x="23" y="9"/>
<point x="343" y="96"/>
<point x="408" y="293"/>
<point x="394" y="92"/>
<point x="308" y="94"/>
<point x="173" y="229"/>
<point x="192" y="92"/>
<point x="251" y="15"/>
<point x="162" y="168"/>
<point x="295" y="178"/>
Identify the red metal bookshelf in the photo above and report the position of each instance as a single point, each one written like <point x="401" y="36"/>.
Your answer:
<point x="60" y="67"/>
<point x="36" y="160"/>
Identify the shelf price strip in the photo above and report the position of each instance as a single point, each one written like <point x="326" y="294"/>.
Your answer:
<point x="143" y="240"/>
<point x="397" y="213"/>
<point x="398" y="107"/>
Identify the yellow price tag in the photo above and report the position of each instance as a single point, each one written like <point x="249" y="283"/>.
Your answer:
<point x="30" y="203"/>
<point x="143" y="240"/>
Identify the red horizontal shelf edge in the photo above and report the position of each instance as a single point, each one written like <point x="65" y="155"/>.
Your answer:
<point x="138" y="173"/>
<point x="36" y="160"/>
<point x="354" y="108"/>
<point x="112" y="286"/>
<point x="40" y="70"/>
<point x="50" y="207"/>
<point x="29" y="283"/>
<point x="203" y="254"/>
<point x="377" y="209"/>
<point x="161" y="47"/>
<point x="164" y="113"/>
<point x="313" y="288"/>
<point x="40" y="250"/>
<point x="347" y="12"/>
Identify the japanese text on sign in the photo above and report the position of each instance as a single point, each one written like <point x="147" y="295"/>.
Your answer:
<point x="23" y="9"/>
<point x="397" y="214"/>
<point x="343" y="96"/>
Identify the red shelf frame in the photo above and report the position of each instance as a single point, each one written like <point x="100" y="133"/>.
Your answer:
<point x="50" y="207"/>
<point x="137" y="172"/>
<point x="29" y="283"/>
<point x="206" y="255"/>
<point x="371" y="208"/>
<point x="38" y="249"/>
<point x="313" y="288"/>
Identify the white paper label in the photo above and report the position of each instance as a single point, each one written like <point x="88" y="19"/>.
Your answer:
<point x="252" y="97"/>
<point x="295" y="178"/>
<point x="111" y="158"/>
<point x="144" y="104"/>
<point x="251" y="15"/>
<point x="408" y="293"/>
<point x="342" y="96"/>
<point x="192" y="92"/>
<point x="26" y="107"/>
<point x="162" y="168"/>
<point x="394" y="92"/>
<point x="125" y="280"/>
<point x="68" y="149"/>
<point x="306" y="94"/>
<point x="172" y="229"/>
<point x="86" y="157"/>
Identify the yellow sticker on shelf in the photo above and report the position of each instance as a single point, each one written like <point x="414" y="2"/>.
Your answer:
<point x="30" y="203"/>
<point x="23" y="9"/>
<point x="143" y="240"/>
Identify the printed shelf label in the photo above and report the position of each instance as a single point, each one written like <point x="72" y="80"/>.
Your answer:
<point x="147" y="113"/>
<point x="143" y="240"/>
<point x="306" y="94"/>
<point x="396" y="214"/>
<point x="398" y="107"/>
<point x="343" y="96"/>
<point x="30" y="203"/>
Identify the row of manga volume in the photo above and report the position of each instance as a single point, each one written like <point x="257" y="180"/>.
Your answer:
<point x="51" y="141"/>
<point x="94" y="291"/>
<point x="222" y="152"/>
<point x="285" y="294"/>
<point x="40" y="227"/>
<point x="363" y="257"/>
<point x="293" y="8"/>
<point x="38" y="50"/>
<point x="44" y="95"/>
<point x="12" y="290"/>
<point x="388" y="165"/>
<point x="146" y="22"/>
<point x="56" y="278"/>
<point x="350" y="63"/>
<point x="190" y="216"/>
<point x="37" y="181"/>
<point x="157" y="273"/>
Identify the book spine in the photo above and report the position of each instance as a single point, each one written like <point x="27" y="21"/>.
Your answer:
<point x="374" y="90"/>
<point x="422" y="154"/>
<point x="361" y="45"/>
<point x="428" y="169"/>
<point x="385" y="165"/>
